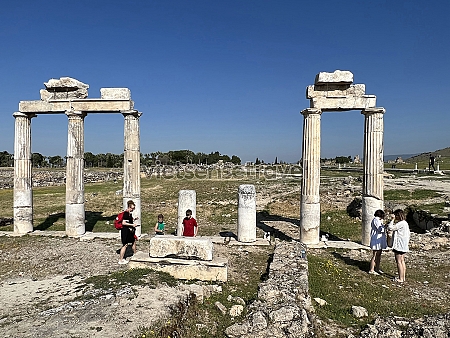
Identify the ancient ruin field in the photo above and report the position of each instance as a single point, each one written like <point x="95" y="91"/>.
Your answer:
<point x="62" y="287"/>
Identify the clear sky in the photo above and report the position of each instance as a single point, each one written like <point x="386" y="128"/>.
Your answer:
<point x="230" y="76"/>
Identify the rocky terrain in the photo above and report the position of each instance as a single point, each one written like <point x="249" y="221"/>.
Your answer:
<point x="45" y="293"/>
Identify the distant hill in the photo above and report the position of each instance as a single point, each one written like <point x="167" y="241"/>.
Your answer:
<point x="394" y="157"/>
<point x="425" y="156"/>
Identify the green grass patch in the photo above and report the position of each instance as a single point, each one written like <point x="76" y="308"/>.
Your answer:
<point x="418" y="194"/>
<point x="343" y="282"/>
<point x="340" y="226"/>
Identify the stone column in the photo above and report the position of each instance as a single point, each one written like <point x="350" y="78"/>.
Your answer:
<point x="246" y="224"/>
<point x="187" y="199"/>
<point x="23" y="193"/>
<point x="310" y="199"/>
<point x="75" y="215"/>
<point x="372" y="193"/>
<point x="132" y="164"/>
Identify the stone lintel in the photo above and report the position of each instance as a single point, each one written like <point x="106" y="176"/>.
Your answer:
<point x="181" y="247"/>
<point x="334" y="90"/>
<point x="85" y="105"/>
<point x="344" y="103"/>
<point x="338" y="76"/>
<point x="115" y="93"/>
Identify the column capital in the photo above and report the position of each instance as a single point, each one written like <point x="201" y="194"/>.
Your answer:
<point x="78" y="113"/>
<point x="310" y="111"/>
<point x="375" y="110"/>
<point x="20" y="114"/>
<point x="135" y="113"/>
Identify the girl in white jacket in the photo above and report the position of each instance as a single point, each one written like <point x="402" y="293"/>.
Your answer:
<point x="401" y="242"/>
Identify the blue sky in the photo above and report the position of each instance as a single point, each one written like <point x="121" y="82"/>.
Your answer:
<point x="230" y="76"/>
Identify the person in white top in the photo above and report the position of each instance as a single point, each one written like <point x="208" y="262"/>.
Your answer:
<point x="400" y="244"/>
<point x="377" y="242"/>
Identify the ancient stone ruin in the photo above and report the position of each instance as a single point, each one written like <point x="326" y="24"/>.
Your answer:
<point x="69" y="96"/>
<point x="336" y="92"/>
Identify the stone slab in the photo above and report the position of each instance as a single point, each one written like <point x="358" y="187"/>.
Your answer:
<point x="335" y="90"/>
<point x="233" y="241"/>
<point x="200" y="248"/>
<point x="115" y="94"/>
<point x="343" y="103"/>
<point x="215" y="270"/>
<point x="84" y="105"/>
<point x="338" y="76"/>
<point x="338" y="245"/>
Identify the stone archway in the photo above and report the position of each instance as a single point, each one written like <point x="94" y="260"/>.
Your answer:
<point x="69" y="96"/>
<point x="336" y="92"/>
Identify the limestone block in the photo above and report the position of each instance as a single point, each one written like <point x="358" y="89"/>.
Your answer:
<point x="115" y="93"/>
<point x="84" y="105"/>
<point x="344" y="103"/>
<point x="335" y="90"/>
<point x="65" y="84"/>
<point x="215" y="270"/>
<point x="338" y="76"/>
<point x="47" y="95"/>
<point x="181" y="247"/>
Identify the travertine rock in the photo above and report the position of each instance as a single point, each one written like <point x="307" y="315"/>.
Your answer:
<point x="115" y="93"/>
<point x="181" y="247"/>
<point x="64" y="88"/>
<point x="338" y="76"/>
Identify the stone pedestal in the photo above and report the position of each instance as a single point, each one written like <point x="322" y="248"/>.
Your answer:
<point x="372" y="194"/>
<point x="23" y="193"/>
<point x="310" y="199"/>
<point x="246" y="223"/>
<point x="75" y="212"/>
<point x="187" y="199"/>
<point x="181" y="247"/>
<point x="131" y="165"/>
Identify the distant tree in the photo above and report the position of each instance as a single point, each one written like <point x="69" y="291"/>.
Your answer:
<point x="38" y="160"/>
<point x="6" y="159"/>
<point x="55" y="161"/>
<point x="235" y="159"/>
<point x="343" y="159"/>
<point x="257" y="161"/>
<point x="276" y="160"/>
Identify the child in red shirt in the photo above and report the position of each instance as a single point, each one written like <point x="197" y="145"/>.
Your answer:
<point x="190" y="226"/>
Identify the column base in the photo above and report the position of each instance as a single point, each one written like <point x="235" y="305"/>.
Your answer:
<point x="75" y="218"/>
<point x="310" y="223"/>
<point x="23" y="220"/>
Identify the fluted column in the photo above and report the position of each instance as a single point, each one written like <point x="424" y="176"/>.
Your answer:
<point x="75" y="213"/>
<point x="372" y="194"/>
<point x="132" y="164"/>
<point x="310" y="199"/>
<point x="23" y="186"/>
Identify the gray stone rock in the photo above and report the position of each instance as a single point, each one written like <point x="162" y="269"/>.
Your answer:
<point x="259" y="321"/>
<point x="359" y="311"/>
<point x="236" y="310"/>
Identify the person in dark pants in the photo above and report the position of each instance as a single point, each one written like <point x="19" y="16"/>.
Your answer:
<point x="431" y="163"/>
<point x="128" y="230"/>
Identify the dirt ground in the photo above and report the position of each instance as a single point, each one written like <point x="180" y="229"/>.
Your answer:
<point x="43" y="293"/>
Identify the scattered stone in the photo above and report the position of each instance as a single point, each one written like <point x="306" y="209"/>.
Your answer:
<point x="320" y="301"/>
<point x="359" y="311"/>
<point x="236" y="310"/>
<point x="222" y="308"/>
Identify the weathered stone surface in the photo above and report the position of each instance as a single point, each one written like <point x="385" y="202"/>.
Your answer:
<point x="335" y="90"/>
<point x="338" y="76"/>
<point x="222" y="308"/>
<point x="236" y="310"/>
<point x="215" y="270"/>
<point x="181" y="247"/>
<point x="115" y="94"/>
<point x="278" y="311"/>
<point x="343" y="103"/>
<point x="359" y="311"/>
<point x="246" y="228"/>
<point x="64" y="88"/>
<point x="86" y="105"/>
